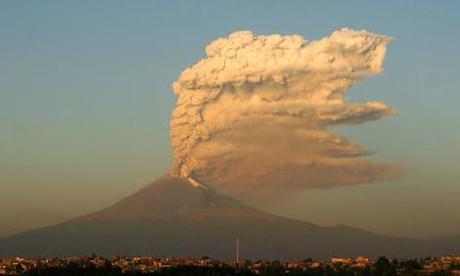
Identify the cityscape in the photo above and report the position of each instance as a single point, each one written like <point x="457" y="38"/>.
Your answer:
<point x="148" y="265"/>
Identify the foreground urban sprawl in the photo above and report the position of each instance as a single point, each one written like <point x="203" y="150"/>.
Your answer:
<point x="447" y="265"/>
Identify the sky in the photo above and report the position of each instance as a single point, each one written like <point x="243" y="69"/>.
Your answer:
<point x="86" y="100"/>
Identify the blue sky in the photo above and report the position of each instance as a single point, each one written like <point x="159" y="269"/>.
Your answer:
<point x="85" y="102"/>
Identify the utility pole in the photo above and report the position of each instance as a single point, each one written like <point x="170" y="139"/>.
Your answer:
<point x="238" y="252"/>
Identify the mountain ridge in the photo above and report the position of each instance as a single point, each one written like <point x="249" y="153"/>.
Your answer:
<point x="173" y="217"/>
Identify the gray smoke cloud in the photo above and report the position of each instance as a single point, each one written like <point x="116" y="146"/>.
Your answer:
<point x="252" y="117"/>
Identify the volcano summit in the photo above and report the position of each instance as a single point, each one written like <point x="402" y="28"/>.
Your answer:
<point x="176" y="217"/>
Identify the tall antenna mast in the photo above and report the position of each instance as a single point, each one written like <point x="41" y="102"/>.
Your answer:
<point x="237" y="251"/>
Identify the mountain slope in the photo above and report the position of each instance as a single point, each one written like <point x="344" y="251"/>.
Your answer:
<point x="171" y="217"/>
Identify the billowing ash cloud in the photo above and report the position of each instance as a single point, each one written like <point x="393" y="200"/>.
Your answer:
<point x="252" y="117"/>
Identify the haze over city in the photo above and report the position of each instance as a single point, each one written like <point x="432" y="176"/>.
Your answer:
<point x="96" y="102"/>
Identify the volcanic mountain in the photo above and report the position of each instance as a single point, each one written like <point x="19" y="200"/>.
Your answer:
<point x="180" y="217"/>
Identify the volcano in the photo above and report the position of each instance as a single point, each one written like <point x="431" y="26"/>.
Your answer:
<point x="180" y="217"/>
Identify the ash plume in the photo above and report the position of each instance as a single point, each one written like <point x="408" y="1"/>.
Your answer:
<point x="253" y="117"/>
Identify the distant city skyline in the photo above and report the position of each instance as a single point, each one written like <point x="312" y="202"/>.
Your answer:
<point x="148" y="265"/>
<point x="86" y="100"/>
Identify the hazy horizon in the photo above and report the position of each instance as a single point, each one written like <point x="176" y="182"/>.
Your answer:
<point x="86" y="102"/>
